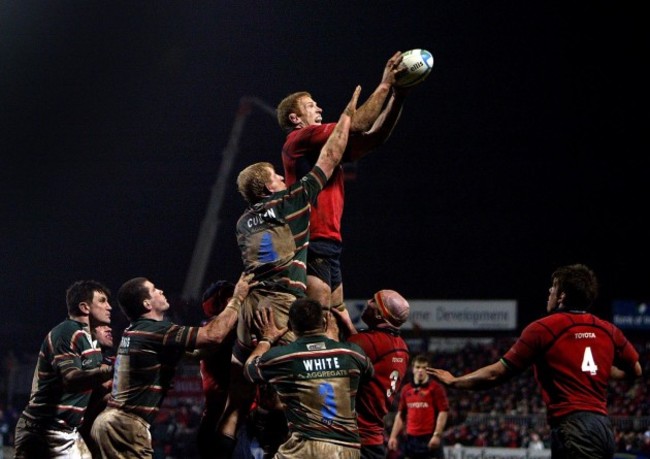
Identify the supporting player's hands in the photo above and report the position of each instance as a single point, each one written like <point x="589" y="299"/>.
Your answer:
<point x="265" y="323"/>
<point x="332" y="326"/>
<point x="243" y="286"/>
<point x="342" y="322"/>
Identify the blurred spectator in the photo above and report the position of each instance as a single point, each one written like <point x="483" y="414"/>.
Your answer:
<point x="535" y="443"/>
<point x="422" y="415"/>
<point x="4" y="430"/>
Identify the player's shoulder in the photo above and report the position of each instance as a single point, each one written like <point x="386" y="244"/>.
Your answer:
<point x="563" y="321"/>
<point x="382" y="336"/>
<point x="363" y="338"/>
<point x="66" y="329"/>
<point x="553" y="320"/>
<point x="349" y="344"/>
<point x="568" y="318"/>
<point x="352" y="350"/>
<point x="68" y="325"/>
<point x="145" y="327"/>
<point x="313" y="133"/>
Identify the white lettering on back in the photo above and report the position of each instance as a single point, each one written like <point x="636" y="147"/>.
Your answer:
<point x="327" y="363"/>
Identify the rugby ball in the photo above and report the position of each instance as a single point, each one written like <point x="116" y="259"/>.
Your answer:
<point x="418" y="64"/>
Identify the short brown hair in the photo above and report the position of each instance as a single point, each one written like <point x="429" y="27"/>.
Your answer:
<point x="83" y="291"/>
<point x="420" y="359"/>
<point x="251" y="182"/>
<point x="578" y="283"/>
<point x="131" y="297"/>
<point x="287" y="106"/>
<point x="305" y="315"/>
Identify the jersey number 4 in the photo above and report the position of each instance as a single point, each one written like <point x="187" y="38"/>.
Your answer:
<point x="588" y="363"/>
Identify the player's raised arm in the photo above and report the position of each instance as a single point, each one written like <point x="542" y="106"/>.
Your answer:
<point x="332" y="151"/>
<point x="368" y="112"/>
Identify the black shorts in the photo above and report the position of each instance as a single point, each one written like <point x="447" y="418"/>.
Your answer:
<point x="583" y="435"/>
<point x="324" y="261"/>
<point x="417" y="447"/>
<point x="373" y="452"/>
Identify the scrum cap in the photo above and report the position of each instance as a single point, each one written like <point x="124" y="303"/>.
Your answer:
<point x="392" y="306"/>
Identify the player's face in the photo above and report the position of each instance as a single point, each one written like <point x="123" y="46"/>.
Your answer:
<point x="370" y="314"/>
<point x="276" y="183"/>
<point x="553" y="301"/>
<point x="310" y="112"/>
<point x="157" y="300"/>
<point x="104" y="335"/>
<point x="420" y="373"/>
<point x="100" y="308"/>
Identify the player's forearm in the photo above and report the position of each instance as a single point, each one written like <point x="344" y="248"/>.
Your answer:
<point x="332" y="151"/>
<point x="77" y="380"/>
<point x="215" y="331"/>
<point x="441" y="422"/>
<point x="263" y="345"/>
<point x="483" y="378"/>
<point x="380" y="131"/>
<point x="387" y="119"/>
<point x="627" y="373"/>
<point x="367" y="113"/>
<point x="398" y="425"/>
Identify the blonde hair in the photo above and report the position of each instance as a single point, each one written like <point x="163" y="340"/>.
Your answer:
<point x="251" y="182"/>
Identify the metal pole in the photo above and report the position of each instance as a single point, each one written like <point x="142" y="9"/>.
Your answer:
<point x="210" y="225"/>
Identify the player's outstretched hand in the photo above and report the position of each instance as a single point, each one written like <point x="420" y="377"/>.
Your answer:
<point x="392" y="69"/>
<point x="442" y="376"/>
<point x="351" y="108"/>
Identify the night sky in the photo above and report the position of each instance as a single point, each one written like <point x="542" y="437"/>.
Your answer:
<point x="525" y="149"/>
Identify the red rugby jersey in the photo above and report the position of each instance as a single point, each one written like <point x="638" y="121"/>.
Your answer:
<point x="389" y="355"/>
<point x="299" y="154"/>
<point x="420" y="406"/>
<point x="572" y="354"/>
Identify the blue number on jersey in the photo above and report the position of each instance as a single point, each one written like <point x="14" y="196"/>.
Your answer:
<point x="329" y="403"/>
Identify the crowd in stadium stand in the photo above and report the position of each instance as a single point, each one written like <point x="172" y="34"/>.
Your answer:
<point x="510" y="415"/>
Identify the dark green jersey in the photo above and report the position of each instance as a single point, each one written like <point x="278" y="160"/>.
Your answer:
<point x="273" y="235"/>
<point x="67" y="346"/>
<point x="146" y="363"/>
<point x="317" y="379"/>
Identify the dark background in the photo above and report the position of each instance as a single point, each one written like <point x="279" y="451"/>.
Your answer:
<point x="525" y="149"/>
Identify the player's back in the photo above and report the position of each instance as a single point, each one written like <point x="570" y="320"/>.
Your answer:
<point x="389" y="355"/>
<point x="317" y="379"/>
<point x="572" y="353"/>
